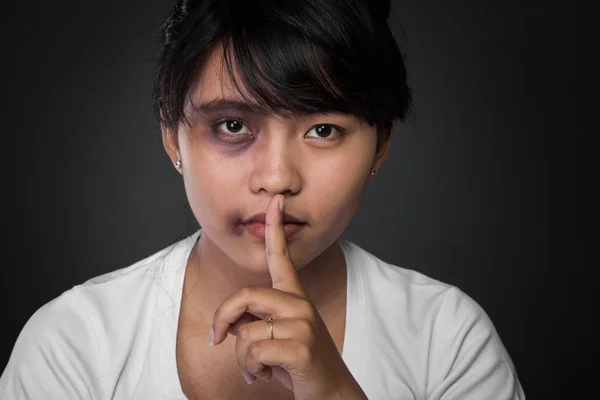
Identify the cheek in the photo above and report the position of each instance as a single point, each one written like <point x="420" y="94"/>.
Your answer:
<point x="209" y="198"/>
<point x="340" y="196"/>
<point x="212" y="187"/>
<point x="337" y="194"/>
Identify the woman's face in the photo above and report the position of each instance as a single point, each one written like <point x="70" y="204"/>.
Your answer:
<point x="235" y="161"/>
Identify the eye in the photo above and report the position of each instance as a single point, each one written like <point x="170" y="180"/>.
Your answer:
<point x="233" y="127"/>
<point x="325" y="131"/>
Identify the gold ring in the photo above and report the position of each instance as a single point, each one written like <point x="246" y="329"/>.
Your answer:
<point x="270" y="320"/>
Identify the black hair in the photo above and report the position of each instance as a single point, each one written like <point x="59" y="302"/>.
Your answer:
<point x="293" y="56"/>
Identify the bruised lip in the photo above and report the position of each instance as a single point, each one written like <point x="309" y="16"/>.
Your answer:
<point x="261" y="218"/>
<point x="255" y="225"/>
<point x="257" y="229"/>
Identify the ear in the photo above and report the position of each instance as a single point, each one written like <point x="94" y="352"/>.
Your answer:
<point x="383" y="148"/>
<point x="169" y="139"/>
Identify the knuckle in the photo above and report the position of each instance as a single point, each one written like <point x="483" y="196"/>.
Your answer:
<point x="279" y="252"/>
<point x="307" y="309"/>
<point x="254" y="351"/>
<point x="271" y="251"/>
<point x="244" y="332"/>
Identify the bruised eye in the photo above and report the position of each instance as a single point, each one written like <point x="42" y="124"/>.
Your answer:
<point x="233" y="127"/>
<point x="325" y="131"/>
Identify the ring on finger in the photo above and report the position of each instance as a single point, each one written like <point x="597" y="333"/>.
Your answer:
<point x="270" y="320"/>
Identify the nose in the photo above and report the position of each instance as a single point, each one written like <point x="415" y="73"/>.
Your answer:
<point x="276" y="167"/>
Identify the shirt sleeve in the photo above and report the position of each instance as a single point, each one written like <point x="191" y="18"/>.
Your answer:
<point x="55" y="356"/>
<point x="467" y="359"/>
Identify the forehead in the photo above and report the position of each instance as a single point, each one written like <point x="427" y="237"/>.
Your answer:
<point x="215" y="90"/>
<point x="215" y="83"/>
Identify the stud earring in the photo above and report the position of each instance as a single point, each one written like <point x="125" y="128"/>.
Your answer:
<point x="373" y="171"/>
<point x="178" y="164"/>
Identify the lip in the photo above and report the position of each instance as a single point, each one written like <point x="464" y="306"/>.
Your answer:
<point x="261" y="218"/>
<point x="255" y="225"/>
<point x="257" y="229"/>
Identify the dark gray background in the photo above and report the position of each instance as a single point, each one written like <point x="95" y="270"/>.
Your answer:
<point x="463" y="196"/>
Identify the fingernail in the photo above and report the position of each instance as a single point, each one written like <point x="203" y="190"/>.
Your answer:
<point x="249" y="377"/>
<point x="211" y="337"/>
<point x="281" y="204"/>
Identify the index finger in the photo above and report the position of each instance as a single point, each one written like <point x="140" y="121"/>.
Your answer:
<point x="282" y="270"/>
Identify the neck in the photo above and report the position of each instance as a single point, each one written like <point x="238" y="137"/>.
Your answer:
<point x="211" y="276"/>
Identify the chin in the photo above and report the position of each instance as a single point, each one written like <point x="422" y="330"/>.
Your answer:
<point x="252" y="259"/>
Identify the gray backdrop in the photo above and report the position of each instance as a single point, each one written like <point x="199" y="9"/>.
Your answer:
<point x="462" y="197"/>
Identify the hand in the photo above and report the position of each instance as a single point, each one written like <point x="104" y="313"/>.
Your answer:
<point x="302" y="354"/>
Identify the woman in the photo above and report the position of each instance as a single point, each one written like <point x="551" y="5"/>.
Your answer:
<point x="276" y="114"/>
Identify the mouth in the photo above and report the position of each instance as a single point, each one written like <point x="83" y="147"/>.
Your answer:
<point x="255" y="226"/>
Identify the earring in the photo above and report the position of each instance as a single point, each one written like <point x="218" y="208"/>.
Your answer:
<point x="178" y="164"/>
<point x="373" y="171"/>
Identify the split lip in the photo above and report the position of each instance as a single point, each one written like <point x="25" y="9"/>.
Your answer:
<point x="261" y="218"/>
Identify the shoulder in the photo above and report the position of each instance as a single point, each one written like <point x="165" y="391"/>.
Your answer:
<point x="449" y="338"/>
<point x="467" y="356"/>
<point x="443" y="303"/>
<point x="126" y="292"/>
<point x="69" y="345"/>
<point x="56" y="352"/>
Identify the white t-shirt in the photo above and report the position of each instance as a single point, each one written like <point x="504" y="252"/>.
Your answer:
<point x="407" y="337"/>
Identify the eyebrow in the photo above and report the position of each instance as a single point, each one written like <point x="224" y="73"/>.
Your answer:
<point x="224" y="105"/>
<point x="232" y="104"/>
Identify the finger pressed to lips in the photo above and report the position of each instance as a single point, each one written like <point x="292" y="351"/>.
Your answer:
<point x="275" y="239"/>
<point x="281" y="268"/>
